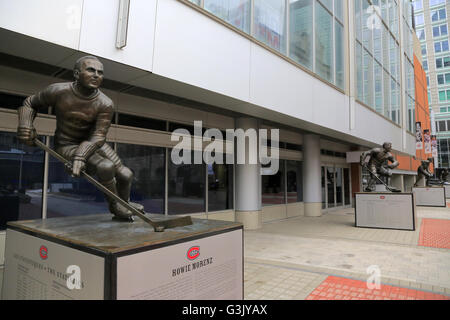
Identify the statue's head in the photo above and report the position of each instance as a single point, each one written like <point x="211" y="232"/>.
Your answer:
<point x="88" y="72"/>
<point x="387" y="146"/>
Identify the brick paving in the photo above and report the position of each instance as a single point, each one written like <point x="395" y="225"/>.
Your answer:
<point x="338" y="288"/>
<point x="435" y="233"/>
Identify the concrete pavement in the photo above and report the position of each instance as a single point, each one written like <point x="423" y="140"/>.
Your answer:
<point x="289" y="259"/>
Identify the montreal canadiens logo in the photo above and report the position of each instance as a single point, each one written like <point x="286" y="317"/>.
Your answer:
<point x="382" y="197"/>
<point x="43" y="251"/>
<point x="193" y="253"/>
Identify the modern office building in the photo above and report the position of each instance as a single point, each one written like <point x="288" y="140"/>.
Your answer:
<point x="335" y="77"/>
<point x="431" y="19"/>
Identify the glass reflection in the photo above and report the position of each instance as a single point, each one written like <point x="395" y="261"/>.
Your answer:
<point x="148" y="166"/>
<point x="186" y="188"/>
<point x="294" y="181"/>
<point x="220" y="187"/>
<point x="272" y="187"/>
<point x="21" y="179"/>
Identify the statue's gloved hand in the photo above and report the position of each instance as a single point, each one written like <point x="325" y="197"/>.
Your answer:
<point x="26" y="135"/>
<point x="77" y="166"/>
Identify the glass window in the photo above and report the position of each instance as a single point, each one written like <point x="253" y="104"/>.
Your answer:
<point x="339" y="10"/>
<point x="294" y="179"/>
<point x="359" y="72"/>
<point x="69" y="196"/>
<point x="346" y="186"/>
<point x="186" y="188"/>
<point x="436" y="2"/>
<point x="331" y="178"/>
<point x="419" y="19"/>
<point x="11" y="101"/>
<point x="324" y="43"/>
<point x="339" y="187"/>
<point x="270" y="23"/>
<point x="446" y="62"/>
<point x="417" y="5"/>
<point x="21" y="178"/>
<point x="141" y="122"/>
<point x="235" y="12"/>
<point x="420" y="34"/>
<point x="424" y="49"/>
<point x="368" y="78"/>
<point x="324" y="194"/>
<point x="367" y="32"/>
<point x="148" y="166"/>
<point x="220" y="187"/>
<point x="339" y="55"/>
<point x="272" y="187"/>
<point x="378" y="87"/>
<point x="300" y="27"/>
<point x="358" y="22"/>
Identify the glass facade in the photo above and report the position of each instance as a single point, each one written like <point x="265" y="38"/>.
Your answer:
<point x="294" y="181"/>
<point x="335" y="187"/>
<point x="187" y="186"/>
<point x="220" y="187"/>
<point x="284" y="187"/>
<point x="68" y="196"/>
<point x="148" y="166"/>
<point x="377" y="55"/>
<point x="21" y="180"/>
<point x="287" y="26"/>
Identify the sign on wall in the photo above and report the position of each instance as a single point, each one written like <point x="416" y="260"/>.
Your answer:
<point x="419" y="137"/>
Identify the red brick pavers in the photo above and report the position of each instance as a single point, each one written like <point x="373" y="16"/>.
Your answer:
<point x="435" y="233"/>
<point x="337" y="288"/>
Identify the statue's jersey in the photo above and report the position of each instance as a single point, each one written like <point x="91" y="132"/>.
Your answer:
<point x="379" y="157"/>
<point x="78" y="118"/>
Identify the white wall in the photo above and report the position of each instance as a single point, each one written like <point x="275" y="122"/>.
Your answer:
<point x="192" y="48"/>
<point x="56" y="21"/>
<point x="99" y="31"/>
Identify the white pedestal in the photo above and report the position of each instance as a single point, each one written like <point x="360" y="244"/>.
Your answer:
<point x="430" y="196"/>
<point x="385" y="211"/>
<point x="380" y="188"/>
<point x="47" y="259"/>
<point x="447" y="191"/>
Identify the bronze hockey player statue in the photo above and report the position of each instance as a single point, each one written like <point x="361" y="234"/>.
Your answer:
<point x="424" y="171"/>
<point x="379" y="167"/>
<point x="443" y="176"/>
<point x="83" y="117"/>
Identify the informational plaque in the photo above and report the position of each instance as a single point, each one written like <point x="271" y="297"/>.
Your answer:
<point x="93" y="257"/>
<point x="203" y="269"/>
<point x="385" y="211"/>
<point x="38" y="269"/>
<point x="430" y="196"/>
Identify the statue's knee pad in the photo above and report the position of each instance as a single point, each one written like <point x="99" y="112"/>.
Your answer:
<point x="106" y="170"/>
<point x="125" y="174"/>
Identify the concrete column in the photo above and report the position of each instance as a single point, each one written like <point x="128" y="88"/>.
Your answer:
<point x="248" y="182"/>
<point x="312" y="193"/>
